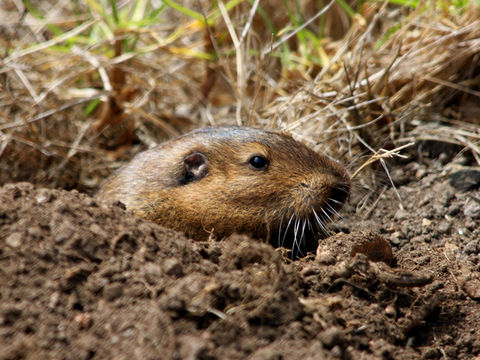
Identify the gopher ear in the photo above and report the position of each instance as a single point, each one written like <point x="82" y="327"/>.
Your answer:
<point x="196" y="167"/>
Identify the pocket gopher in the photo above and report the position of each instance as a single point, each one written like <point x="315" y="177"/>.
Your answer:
<point x="224" y="180"/>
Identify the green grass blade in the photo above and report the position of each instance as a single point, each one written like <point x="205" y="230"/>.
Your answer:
<point x="189" y="12"/>
<point x="113" y="6"/>
<point x="343" y="4"/>
<point x="35" y="13"/>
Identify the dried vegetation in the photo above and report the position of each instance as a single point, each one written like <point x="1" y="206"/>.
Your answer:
<point x="81" y="93"/>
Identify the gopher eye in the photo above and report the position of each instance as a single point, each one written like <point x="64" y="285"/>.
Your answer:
<point x="258" y="162"/>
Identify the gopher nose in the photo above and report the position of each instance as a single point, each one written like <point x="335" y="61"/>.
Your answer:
<point x="339" y="188"/>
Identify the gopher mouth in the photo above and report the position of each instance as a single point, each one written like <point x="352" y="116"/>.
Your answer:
<point x="300" y="233"/>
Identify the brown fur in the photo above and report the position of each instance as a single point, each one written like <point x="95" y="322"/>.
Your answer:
<point x="233" y="196"/>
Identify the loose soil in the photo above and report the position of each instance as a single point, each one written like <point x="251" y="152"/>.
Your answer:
<point x="82" y="279"/>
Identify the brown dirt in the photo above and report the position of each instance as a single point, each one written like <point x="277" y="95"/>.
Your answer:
<point x="82" y="279"/>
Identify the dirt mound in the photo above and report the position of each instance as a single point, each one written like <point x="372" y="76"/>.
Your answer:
<point x="81" y="279"/>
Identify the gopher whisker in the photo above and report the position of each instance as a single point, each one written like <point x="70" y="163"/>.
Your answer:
<point x="320" y="223"/>
<point x="296" y="227"/>
<point x="286" y="229"/>
<point x="341" y="188"/>
<point x="326" y="214"/>
<point x="279" y="232"/>
<point x="334" y="212"/>
<point x="309" y="224"/>
<point x="335" y="201"/>
<point x="302" y="238"/>
<point x="297" y="242"/>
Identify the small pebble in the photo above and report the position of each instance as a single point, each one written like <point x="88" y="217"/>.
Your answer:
<point x="14" y="240"/>
<point x="309" y="270"/>
<point x="401" y="214"/>
<point x="465" y="179"/>
<point x="173" y="267"/>
<point x="83" y="320"/>
<point x="426" y="222"/>
<point x="472" y="247"/>
<point x="332" y="336"/>
<point x="443" y="158"/>
<point x="421" y="172"/>
<point x="113" y="291"/>
<point x="325" y="257"/>
<point x="390" y="311"/>
<point x="472" y="209"/>
<point x="444" y="227"/>
<point x="453" y="209"/>
<point x="472" y="288"/>
<point x="396" y="238"/>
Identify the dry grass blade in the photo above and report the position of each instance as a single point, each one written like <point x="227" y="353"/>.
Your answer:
<point x="286" y="37"/>
<point x="47" y="44"/>
<point x="382" y="154"/>
<point x="458" y="87"/>
<point x="240" y="63"/>
<point x="96" y="64"/>
<point x="248" y="25"/>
